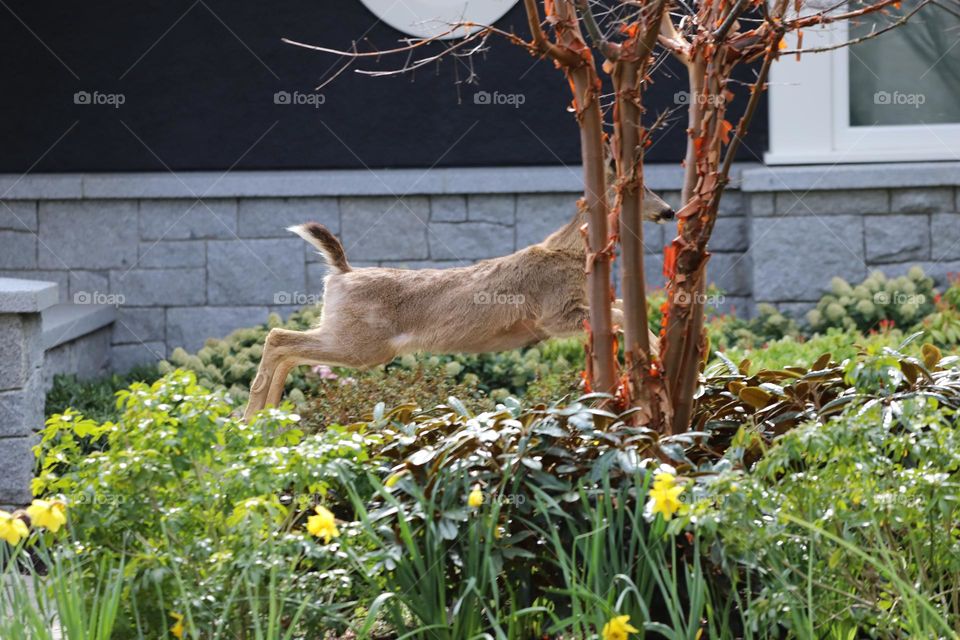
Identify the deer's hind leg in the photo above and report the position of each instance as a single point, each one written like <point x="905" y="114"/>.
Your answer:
<point x="283" y="350"/>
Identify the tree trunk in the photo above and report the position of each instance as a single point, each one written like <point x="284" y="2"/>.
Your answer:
<point x="586" y="92"/>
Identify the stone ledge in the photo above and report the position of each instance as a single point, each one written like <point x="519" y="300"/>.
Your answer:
<point x="345" y="182"/>
<point x="65" y="322"/>
<point x="26" y="296"/>
<point x="825" y="177"/>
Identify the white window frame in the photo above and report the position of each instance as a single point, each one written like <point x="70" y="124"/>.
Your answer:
<point x="810" y="113"/>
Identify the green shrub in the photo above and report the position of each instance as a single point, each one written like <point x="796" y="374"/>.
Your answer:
<point x="516" y="523"/>
<point x="202" y="504"/>
<point x="231" y="363"/>
<point x="768" y="325"/>
<point x="352" y="398"/>
<point x="852" y="522"/>
<point x="94" y="398"/>
<point x="800" y="352"/>
<point x="877" y="302"/>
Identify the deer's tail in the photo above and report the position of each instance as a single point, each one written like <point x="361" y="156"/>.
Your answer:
<point x="326" y="243"/>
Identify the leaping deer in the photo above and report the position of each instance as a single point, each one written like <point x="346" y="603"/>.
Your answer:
<point x="372" y="315"/>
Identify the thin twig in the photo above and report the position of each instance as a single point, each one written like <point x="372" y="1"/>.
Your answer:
<point x="869" y="36"/>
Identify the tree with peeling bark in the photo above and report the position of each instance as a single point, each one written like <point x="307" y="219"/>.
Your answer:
<point x="623" y="40"/>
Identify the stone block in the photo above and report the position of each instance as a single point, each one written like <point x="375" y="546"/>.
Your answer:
<point x="270" y="217"/>
<point x="730" y="272"/>
<point x="87" y="357"/>
<point x="539" y="215"/>
<point x="17" y="461"/>
<point x="897" y="238"/>
<point x="173" y="253"/>
<point x="18" y="250"/>
<point x="733" y="203"/>
<point x="124" y="357"/>
<point x="945" y="234"/>
<point x="187" y="219"/>
<point x="830" y="203"/>
<point x="55" y="286"/>
<point x="796" y="310"/>
<point x="929" y="200"/>
<point x="795" y="258"/>
<point x="448" y="208"/>
<point x="86" y="286"/>
<point x="190" y="327"/>
<point x="21" y="410"/>
<point x="653" y="271"/>
<point x="495" y="208"/>
<point x="18" y="215"/>
<point x="739" y="306"/>
<point x="67" y="322"/>
<point x="730" y="234"/>
<point x="159" y="287"/>
<point x="467" y="241"/>
<point x="146" y="324"/>
<point x="385" y="228"/>
<point x="655" y="236"/>
<point x="88" y="234"/>
<point x="21" y="348"/>
<point x="760" y="204"/>
<point x="254" y="272"/>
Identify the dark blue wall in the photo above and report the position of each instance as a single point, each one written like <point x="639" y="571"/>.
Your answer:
<point x="198" y="81"/>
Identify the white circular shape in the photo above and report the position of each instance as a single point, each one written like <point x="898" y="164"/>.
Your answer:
<point x="430" y="18"/>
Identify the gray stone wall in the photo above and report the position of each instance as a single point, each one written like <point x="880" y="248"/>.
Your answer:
<point x="182" y="268"/>
<point x="21" y="382"/>
<point x="800" y="237"/>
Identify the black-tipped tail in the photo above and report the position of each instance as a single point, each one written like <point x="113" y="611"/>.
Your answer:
<point x="326" y="243"/>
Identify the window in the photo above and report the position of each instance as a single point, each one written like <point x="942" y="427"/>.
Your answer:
<point x="429" y="18"/>
<point x="890" y="98"/>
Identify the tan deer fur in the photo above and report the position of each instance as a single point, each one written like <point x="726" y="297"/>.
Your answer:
<point x="371" y="315"/>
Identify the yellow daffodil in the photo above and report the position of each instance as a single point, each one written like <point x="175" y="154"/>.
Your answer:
<point x="323" y="525"/>
<point x="177" y="628"/>
<point x="12" y="529"/>
<point x="48" y="514"/>
<point x="664" y="480"/>
<point x="475" y="499"/>
<point x="664" y="496"/>
<point x="619" y="628"/>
